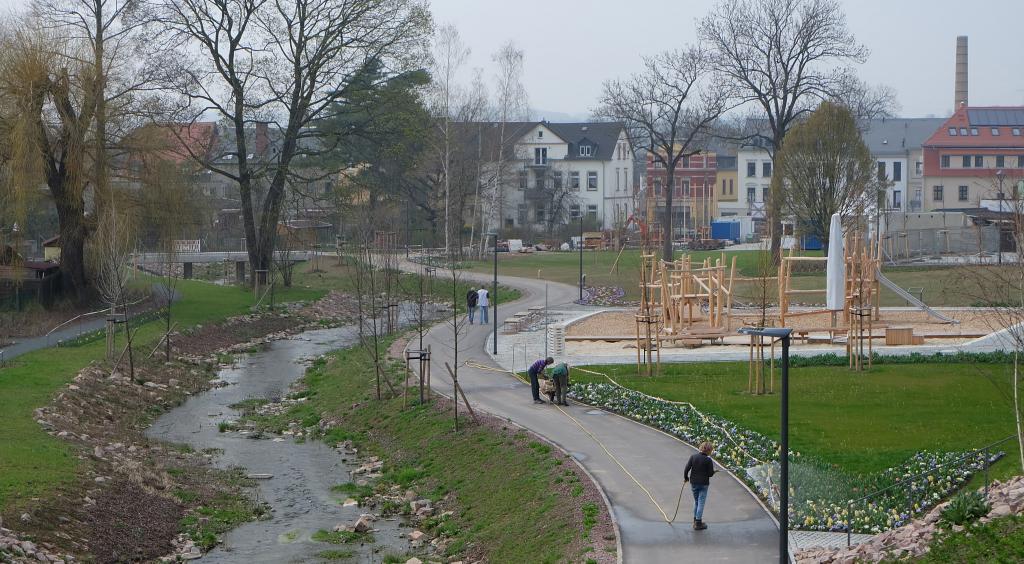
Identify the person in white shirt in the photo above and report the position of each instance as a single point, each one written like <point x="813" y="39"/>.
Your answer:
<point x="482" y="303"/>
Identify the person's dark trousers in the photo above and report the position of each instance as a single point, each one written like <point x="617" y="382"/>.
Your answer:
<point x="534" y="386"/>
<point x="561" y="388"/>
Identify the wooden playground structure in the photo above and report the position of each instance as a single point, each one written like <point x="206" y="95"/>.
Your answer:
<point x="690" y="302"/>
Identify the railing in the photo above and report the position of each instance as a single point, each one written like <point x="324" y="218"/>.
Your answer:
<point x="908" y="483"/>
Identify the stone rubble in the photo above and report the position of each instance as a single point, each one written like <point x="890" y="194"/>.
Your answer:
<point x="14" y="549"/>
<point x="913" y="539"/>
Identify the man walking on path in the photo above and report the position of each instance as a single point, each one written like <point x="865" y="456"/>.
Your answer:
<point x="535" y="369"/>
<point x="481" y="300"/>
<point x="702" y="468"/>
<point x="560" y="375"/>
<point x="471" y="296"/>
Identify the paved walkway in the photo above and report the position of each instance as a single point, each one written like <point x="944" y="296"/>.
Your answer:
<point x="740" y="528"/>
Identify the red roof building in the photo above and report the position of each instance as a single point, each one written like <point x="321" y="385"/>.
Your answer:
<point x="977" y="154"/>
<point x="693" y="201"/>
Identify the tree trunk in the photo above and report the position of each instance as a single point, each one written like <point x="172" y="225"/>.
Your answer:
<point x="666" y="222"/>
<point x="71" y="218"/>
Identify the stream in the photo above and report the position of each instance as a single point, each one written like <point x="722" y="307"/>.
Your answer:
<point x="303" y="473"/>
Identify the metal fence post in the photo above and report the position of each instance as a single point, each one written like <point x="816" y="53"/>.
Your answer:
<point x="849" y="530"/>
<point x="986" y="471"/>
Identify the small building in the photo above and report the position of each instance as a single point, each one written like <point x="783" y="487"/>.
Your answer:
<point x="51" y="249"/>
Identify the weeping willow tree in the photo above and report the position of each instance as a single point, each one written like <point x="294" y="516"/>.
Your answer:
<point x="46" y="109"/>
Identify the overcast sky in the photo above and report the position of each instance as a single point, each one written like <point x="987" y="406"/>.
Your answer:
<point x="572" y="46"/>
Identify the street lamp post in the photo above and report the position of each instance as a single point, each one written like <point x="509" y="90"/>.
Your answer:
<point x="581" y="255"/>
<point x="782" y="334"/>
<point x="999" y="223"/>
<point x="494" y="293"/>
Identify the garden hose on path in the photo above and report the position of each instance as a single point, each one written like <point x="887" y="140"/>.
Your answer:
<point x="682" y="487"/>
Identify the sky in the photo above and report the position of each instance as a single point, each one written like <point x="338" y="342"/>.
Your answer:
<point x="573" y="46"/>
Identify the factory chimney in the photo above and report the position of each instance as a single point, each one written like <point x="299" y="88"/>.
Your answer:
<point x="960" y="87"/>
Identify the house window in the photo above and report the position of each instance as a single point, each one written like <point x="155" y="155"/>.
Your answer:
<point x="961" y="193"/>
<point x="937" y="193"/>
<point x="591" y="181"/>
<point x="684" y="162"/>
<point x="897" y="199"/>
<point x="963" y="131"/>
<point x="616" y="180"/>
<point x="945" y="163"/>
<point x="766" y="170"/>
<point x="540" y="156"/>
<point x="522" y="213"/>
<point x="574" y="181"/>
<point x="995" y="131"/>
<point x="974" y="131"/>
<point x="586" y="150"/>
<point x="657" y="187"/>
<point x="522" y="180"/>
<point x="541" y="182"/>
<point x="966" y="161"/>
<point x="574" y="211"/>
<point x="730" y="187"/>
<point x="918" y="167"/>
<point x="723" y="187"/>
<point x="751" y="169"/>
<point x="979" y="161"/>
<point x="1015" y="131"/>
<point x="1020" y="161"/>
<point x="897" y="172"/>
<point x="540" y="215"/>
<point x="751" y="194"/>
<point x="540" y="134"/>
<point x="592" y="211"/>
<point x="556" y="180"/>
<point x="881" y="170"/>
<point x="1000" y="160"/>
<point x="952" y="131"/>
<point x="764" y="193"/>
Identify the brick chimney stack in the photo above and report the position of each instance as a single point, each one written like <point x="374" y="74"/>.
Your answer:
<point x="960" y="86"/>
<point x="262" y="138"/>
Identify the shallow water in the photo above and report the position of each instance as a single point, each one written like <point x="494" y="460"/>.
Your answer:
<point x="303" y="473"/>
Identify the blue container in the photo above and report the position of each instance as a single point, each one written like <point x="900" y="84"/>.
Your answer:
<point x="811" y="243"/>
<point x="726" y="230"/>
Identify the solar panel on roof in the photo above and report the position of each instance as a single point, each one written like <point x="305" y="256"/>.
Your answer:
<point x="995" y="117"/>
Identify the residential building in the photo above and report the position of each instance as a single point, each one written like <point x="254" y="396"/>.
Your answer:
<point x="977" y="154"/>
<point x="693" y="199"/>
<point x="727" y="188"/>
<point x="554" y="172"/>
<point x="895" y="144"/>
<point x="754" y="179"/>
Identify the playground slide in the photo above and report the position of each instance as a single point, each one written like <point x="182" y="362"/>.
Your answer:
<point x="911" y="299"/>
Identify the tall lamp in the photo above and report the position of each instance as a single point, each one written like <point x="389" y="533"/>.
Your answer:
<point x="494" y="291"/>
<point x="781" y="333"/>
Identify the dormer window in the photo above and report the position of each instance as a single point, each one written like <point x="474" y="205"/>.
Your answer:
<point x="586" y="150"/>
<point x="995" y="132"/>
<point x="952" y="131"/>
<point x="963" y="131"/>
<point x="974" y="131"/>
<point x="540" y="135"/>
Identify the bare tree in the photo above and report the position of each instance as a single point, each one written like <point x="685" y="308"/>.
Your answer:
<point x="668" y="110"/>
<point x="450" y="53"/>
<point x="781" y="56"/>
<point x="287" y="63"/>
<point x="826" y="168"/>
<point x="511" y="105"/>
<point x="112" y="249"/>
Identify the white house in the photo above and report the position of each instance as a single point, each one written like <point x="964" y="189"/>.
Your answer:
<point x="895" y="144"/>
<point x="556" y="171"/>
<point x="754" y="177"/>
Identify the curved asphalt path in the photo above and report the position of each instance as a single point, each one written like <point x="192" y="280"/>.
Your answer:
<point x="740" y="529"/>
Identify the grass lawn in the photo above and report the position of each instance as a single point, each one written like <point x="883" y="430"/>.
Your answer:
<point x="941" y="284"/>
<point x="32" y="462"/>
<point x="505" y="484"/>
<point x="863" y="423"/>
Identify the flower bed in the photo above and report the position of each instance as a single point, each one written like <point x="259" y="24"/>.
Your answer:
<point x="930" y="476"/>
<point x="608" y="296"/>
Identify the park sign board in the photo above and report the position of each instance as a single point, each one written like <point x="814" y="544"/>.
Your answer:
<point x="188" y="246"/>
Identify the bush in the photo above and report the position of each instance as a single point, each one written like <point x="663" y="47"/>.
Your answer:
<point x="964" y="508"/>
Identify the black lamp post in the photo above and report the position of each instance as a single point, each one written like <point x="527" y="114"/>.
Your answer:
<point x="581" y="255"/>
<point x="999" y="243"/>
<point x="782" y="334"/>
<point x="494" y="291"/>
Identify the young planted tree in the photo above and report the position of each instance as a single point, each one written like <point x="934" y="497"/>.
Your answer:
<point x="290" y="64"/>
<point x="825" y="168"/>
<point x="111" y="252"/>
<point x="669" y="111"/>
<point x="782" y="57"/>
<point x="449" y="54"/>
